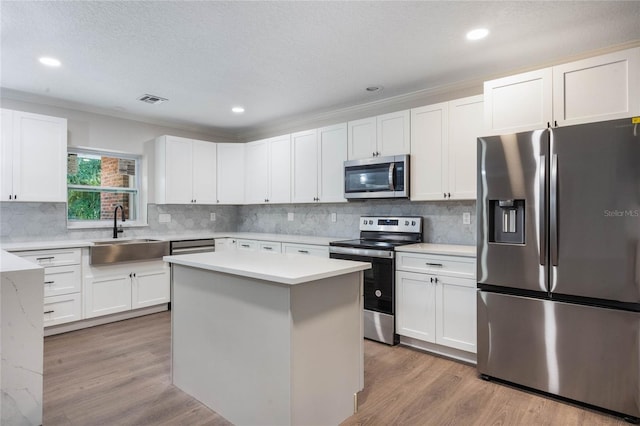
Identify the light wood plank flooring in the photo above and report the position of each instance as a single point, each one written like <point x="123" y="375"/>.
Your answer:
<point x="118" y="374"/>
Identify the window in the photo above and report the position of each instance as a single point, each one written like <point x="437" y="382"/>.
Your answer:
<point x="97" y="182"/>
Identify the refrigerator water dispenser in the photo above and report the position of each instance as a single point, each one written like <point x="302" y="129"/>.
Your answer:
<point x="507" y="221"/>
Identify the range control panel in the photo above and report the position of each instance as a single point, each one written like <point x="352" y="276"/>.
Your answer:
<point x="411" y="224"/>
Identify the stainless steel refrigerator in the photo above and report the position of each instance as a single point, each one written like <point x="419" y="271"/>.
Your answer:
<point x="559" y="262"/>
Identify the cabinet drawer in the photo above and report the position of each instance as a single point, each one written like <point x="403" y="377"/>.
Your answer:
<point x="454" y="266"/>
<point x="58" y="257"/>
<point x="270" y="247"/>
<point x="309" y="250"/>
<point x="62" y="280"/>
<point x="251" y="245"/>
<point x="62" y="309"/>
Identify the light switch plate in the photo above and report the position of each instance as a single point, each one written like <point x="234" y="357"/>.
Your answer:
<point x="290" y="217"/>
<point x="466" y="218"/>
<point x="334" y="217"/>
<point x="212" y="216"/>
<point x="164" y="218"/>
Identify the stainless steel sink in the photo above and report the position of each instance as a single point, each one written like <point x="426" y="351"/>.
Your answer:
<point x="116" y="251"/>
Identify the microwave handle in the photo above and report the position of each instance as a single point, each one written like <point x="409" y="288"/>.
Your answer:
<point x="392" y="185"/>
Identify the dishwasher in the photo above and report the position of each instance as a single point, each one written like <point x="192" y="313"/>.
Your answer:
<point x="201" y="245"/>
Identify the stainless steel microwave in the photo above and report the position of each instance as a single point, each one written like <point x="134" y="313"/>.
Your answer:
<point x="377" y="177"/>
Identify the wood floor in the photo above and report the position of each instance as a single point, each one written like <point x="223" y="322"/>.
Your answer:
<point x="118" y="374"/>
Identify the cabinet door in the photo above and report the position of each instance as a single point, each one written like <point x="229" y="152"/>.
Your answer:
<point x="270" y="246"/>
<point x="107" y="294"/>
<point x="394" y="133"/>
<point x="362" y="138"/>
<point x="518" y="103"/>
<point x="257" y="177"/>
<point x="230" y="173"/>
<point x="204" y="172"/>
<point x="62" y="280"/>
<point x="602" y="88"/>
<point x="305" y="167"/>
<point x="456" y="313"/>
<point x="332" y="153"/>
<point x="416" y="306"/>
<point x="429" y="138"/>
<point x="6" y="158"/>
<point x="39" y="157"/>
<point x="466" y="124"/>
<point x="306" y="249"/>
<point x="178" y="171"/>
<point x="280" y="169"/>
<point x="150" y="287"/>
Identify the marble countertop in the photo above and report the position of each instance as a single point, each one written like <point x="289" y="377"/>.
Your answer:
<point x="445" y="249"/>
<point x="275" y="267"/>
<point x="282" y="238"/>
<point x="12" y="263"/>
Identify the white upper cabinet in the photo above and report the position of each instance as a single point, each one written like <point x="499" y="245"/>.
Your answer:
<point x="268" y="166"/>
<point x="466" y="124"/>
<point x="332" y="153"/>
<point x="518" y="103"/>
<point x="601" y="88"/>
<point x="384" y="135"/>
<point x="429" y="139"/>
<point x="231" y="173"/>
<point x="443" y="149"/>
<point x="34" y="157"/>
<point x="318" y="157"/>
<point x="606" y="87"/>
<point x="184" y="170"/>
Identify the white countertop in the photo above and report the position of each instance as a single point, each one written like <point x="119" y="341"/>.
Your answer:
<point x="282" y="238"/>
<point x="12" y="263"/>
<point x="276" y="267"/>
<point x="445" y="249"/>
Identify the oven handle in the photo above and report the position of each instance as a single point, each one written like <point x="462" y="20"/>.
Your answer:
<point x="382" y="254"/>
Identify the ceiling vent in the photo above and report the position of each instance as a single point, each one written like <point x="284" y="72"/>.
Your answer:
<point x="152" y="99"/>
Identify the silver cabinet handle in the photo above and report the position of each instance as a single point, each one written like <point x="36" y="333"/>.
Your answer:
<point x="439" y="265"/>
<point x="49" y="312"/>
<point x="45" y="258"/>
<point x="303" y="251"/>
<point x="49" y="282"/>
<point x="244" y="245"/>
<point x="268" y="248"/>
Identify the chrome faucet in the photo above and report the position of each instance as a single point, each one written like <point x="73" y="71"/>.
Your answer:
<point x="117" y="231"/>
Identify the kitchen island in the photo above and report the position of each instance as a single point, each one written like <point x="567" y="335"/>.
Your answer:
<point x="267" y="338"/>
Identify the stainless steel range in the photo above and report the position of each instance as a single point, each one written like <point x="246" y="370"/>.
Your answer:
<point x="379" y="235"/>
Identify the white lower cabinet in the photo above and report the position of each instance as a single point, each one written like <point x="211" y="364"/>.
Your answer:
<point x="62" y="283"/>
<point x="306" y="249"/>
<point x="437" y="304"/>
<point x="118" y="288"/>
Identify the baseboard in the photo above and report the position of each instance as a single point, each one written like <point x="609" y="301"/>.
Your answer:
<point x="444" y="351"/>
<point x="92" y="322"/>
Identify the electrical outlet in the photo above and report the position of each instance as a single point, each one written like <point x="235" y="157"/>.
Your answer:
<point x="466" y="218"/>
<point x="290" y="217"/>
<point x="212" y="217"/>
<point x="164" y="218"/>
<point x="334" y="217"/>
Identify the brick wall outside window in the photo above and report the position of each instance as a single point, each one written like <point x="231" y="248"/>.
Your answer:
<point x="111" y="177"/>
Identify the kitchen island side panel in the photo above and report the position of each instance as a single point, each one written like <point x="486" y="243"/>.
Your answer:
<point x="231" y="344"/>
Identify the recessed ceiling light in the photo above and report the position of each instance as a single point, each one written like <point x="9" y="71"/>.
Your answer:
<point x="237" y="109"/>
<point x="50" y="62"/>
<point x="373" y="89"/>
<point x="477" y="34"/>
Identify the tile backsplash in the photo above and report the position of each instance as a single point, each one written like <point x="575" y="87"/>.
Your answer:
<point x="442" y="220"/>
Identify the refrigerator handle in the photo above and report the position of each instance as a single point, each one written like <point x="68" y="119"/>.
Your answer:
<point x="542" y="225"/>
<point x="553" y="206"/>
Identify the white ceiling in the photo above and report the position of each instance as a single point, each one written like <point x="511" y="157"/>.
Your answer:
<point x="282" y="60"/>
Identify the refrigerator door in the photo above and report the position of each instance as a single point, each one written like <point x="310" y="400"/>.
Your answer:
<point x="595" y="211"/>
<point x="580" y="352"/>
<point x="512" y="210"/>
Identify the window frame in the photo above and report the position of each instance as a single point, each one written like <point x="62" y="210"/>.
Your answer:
<point x="140" y="199"/>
